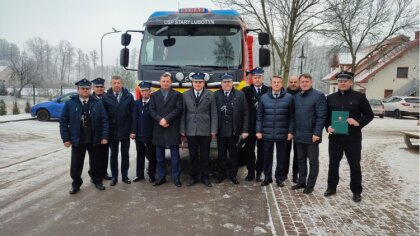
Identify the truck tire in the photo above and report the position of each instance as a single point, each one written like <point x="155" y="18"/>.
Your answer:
<point x="43" y="115"/>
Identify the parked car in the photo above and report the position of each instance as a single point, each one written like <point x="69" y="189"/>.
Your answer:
<point x="399" y="106"/>
<point x="46" y="110"/>
<point x="377" y="107"/>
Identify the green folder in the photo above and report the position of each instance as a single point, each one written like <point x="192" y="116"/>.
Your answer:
<point x="339" y="122"/>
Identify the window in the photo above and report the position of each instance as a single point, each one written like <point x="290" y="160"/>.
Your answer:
<point x="402" y="72"/>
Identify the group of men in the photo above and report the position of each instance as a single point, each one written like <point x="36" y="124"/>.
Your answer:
<point x="259" y="115"/>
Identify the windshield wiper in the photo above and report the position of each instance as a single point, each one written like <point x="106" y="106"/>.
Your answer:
<point x="164" y="66"/>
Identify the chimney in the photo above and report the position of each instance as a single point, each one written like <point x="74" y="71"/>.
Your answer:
<point x="416" y="35"/>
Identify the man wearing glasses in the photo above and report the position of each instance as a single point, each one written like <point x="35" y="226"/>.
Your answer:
<point x="98" y="87"/>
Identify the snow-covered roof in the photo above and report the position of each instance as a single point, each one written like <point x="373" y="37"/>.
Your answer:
<point x="2" y="68"/>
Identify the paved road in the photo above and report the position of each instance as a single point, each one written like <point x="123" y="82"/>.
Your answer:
<point x="34" y="199"/>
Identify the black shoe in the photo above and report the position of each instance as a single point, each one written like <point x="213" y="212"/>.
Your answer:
<point x="137" y="179"/>
<point x="295" y="179"/>
<point x="126" y="180"/>
<point x="152" y="179"/>
<point x="298" y="186"/>
<point x="114" y="182"/>
<point x="74" y="190"/>
<point x="258" y="178"/>
<point x="207" y="182"/>
<point x="266" y="182"/>
<point x="308" y="190"/>
<point x="192" y="181"/>
<point x="177" y="183"/>
<point x="329" y="192"/>
<point x="100" y="186"/>
<point x="279" y="183"/>
<point x="159" y="182"/>
<point x="357" y="197"/>
<point x="107" y="177"/>
<point x="249" y="178"/>
<point x="219" y="180"/>
<point x="234" y="180"/>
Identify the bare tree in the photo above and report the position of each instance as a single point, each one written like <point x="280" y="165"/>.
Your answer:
<point x="356" y="23"/>
<point x="94" y="57"/>
<point x="64" y="54"/>
<point x="286" y="21"/>
<point x="24" y="71"/>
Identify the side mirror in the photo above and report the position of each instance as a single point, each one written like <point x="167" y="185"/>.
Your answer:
<point x="124" y="55"/>
<point x="169" y="42"/>
<point x="264" y="57"/>
<point x="125" y="39"/>
<point x="263" y="38"/>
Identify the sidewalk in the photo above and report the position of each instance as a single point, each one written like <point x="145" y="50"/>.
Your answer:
<point x="20" y="117"/>
<point x="390" y="199"/>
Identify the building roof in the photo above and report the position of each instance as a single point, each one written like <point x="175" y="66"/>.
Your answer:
<point x="391" y="50"/>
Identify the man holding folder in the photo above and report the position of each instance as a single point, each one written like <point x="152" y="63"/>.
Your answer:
<point x="348" y="112"/>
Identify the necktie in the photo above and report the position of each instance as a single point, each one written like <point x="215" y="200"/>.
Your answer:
<point x="258" y="91"/>
<point x="277" y="95"/>
<point x="84" y="102"/>
<point x="144" y="103"/>
<point x="117" y="95"/>
<point x="198" y="94"/>
<point x="226" y="94"/>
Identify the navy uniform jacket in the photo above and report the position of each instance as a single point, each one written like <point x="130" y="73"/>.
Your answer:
<point x="121" y="115"/>
<point x="252" y="100"/>
<point x="71" y="118"/>
<point x="144" y="122"/>
<point x="359" y="109"/>
<point x="240" y="111"/>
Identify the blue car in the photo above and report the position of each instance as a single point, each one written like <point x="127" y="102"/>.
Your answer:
<point x="46" y="110"/>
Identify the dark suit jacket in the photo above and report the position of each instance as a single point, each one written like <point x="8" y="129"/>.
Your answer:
<point x="171" y="110"/>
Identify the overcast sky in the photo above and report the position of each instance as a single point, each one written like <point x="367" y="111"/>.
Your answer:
<point x="81" y="22"/>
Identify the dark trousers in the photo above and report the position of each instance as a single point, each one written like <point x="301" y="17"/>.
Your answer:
<point x="125" y="147"/>
<point x="352" y="150"/>
<point x="199" y="149"/>
<point x="146" y="150"/>
<point x="227" y="166"/>
<point x="305" y="152"/>
<point x="251" y="165"/>
<point x="295" y="167"/>
<point x="280" y="157"/>
<point x="160" y="157"/>
<point x="103" y="153"/>
<point x="77" y="160"/>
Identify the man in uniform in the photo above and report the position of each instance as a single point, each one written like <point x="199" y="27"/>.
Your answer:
<point x="84" y="126"/>
<point x="166" y="110"/>
<point x="121" y="110"/>
<point x="199" y="124"/>
<point x="253" y="94"/>
<point x="144" y="133"/>
<point x="98" y="86"/>
<point x="310" y="115"/>
<point x="360" y="114"/>
<point x="275" y="126"/>
<point x="233" y="121"/>
<point x="292" y="89"/>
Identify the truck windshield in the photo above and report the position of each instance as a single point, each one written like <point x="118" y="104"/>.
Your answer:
<point x="215" y="46"/>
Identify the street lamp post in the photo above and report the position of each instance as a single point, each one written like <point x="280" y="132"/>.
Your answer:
<point x="102" y="54"/>
<point x="301" y="59"/>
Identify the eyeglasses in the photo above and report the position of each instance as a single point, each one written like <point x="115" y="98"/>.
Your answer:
<point x="84" y="88"/>
<point x="99" y="86"/>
